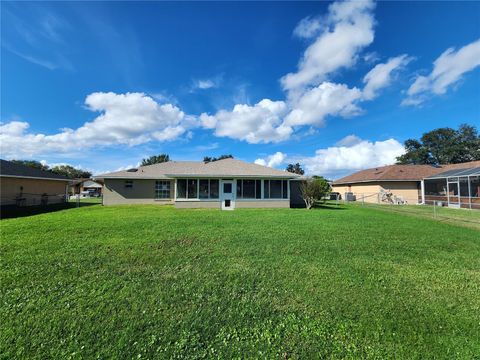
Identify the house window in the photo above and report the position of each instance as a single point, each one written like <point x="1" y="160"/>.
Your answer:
<point x="213" y="189"/>
<point x="275" y="189"/>
<point x="128" y="184"/>
<point x="162" y="189"/>
<point x="192" y="188"/>
<point x="266" y="189"/>
<point x="197" y="188"/>
<point x="181" y="189"/>
<point x="248" y="189"/>
<point x="227" y="188"/>
<point x="239" y="189"/>
<point x="203" y="193"/>
<point x="258" y="189"/>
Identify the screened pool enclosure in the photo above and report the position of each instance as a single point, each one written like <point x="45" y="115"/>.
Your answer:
<point x="454" y="188"/>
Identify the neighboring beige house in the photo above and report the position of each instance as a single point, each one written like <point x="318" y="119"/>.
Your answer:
<point x="25" y="186"/>
<point x="86" y="187"/>
<point x="405" y="182"/>
<point x="224" y="184"/>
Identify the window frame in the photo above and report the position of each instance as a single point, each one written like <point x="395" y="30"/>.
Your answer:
<point x="167" y="191"/>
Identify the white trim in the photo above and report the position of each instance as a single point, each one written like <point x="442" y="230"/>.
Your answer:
<point x="34" y="177"/>
<point x="422" y="187"/>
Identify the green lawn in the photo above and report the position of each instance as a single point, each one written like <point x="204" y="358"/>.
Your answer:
<point x="155" y="282"/>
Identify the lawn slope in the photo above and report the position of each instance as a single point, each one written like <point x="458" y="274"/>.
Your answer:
<point x="155" y="282"/>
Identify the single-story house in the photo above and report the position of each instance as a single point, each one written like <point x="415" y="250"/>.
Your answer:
<point x="25" y="186"/>
<point x="86" y="187"/>
<point x="403" y="182"/>
<point x="224" y="184"/>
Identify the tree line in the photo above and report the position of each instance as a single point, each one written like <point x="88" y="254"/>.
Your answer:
<point x="65" y="170"/>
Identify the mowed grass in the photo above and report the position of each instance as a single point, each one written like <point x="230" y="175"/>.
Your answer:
<point x="156" y="282"/>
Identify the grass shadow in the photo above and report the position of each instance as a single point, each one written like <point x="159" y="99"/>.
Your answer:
<point x="9" y="212"/>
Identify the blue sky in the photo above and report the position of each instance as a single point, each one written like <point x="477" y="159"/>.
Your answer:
<point x="335" y="86"/>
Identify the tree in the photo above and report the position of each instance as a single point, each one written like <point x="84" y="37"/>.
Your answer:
<point x="70" y="172"/>
<point x="313" y="190"/>
<point x="443" y="146"/>
<point x="295" y="168"/>
<point x="221" y="157"/>
<point x="156" y="159"/>
<point x="32" y="163"/>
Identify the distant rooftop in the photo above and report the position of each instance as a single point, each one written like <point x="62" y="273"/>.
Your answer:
<point x="402" y="172"/>
<point x="219" y="168"/>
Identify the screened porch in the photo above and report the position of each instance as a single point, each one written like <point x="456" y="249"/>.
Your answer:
<point x="454" y="188"/>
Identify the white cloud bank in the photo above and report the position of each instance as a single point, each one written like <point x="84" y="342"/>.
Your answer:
<point x="338" y="40"/>
<point x="360" y="154"/>
<point x="349" y="154"/>
<point x="448" y="69"/>
<point x="272" y="160"/>
<point x="125" y="119"/>
<point x="381" y="75"/>
<point x="255" y="124"/>
<point x="348" y="29"/>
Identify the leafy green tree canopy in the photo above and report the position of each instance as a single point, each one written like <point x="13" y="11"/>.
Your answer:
<point x="443" y="146"/>
<point x="295" y="168"/>
<point x="32" y="163"/>
<point x="71" y="172"/>
<point x="314" y="189"/>
<point x="156" y="159"/>
<point x="221" y="157"/>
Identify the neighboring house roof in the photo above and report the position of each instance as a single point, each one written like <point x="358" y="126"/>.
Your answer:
<point x="10" y="169"/>
<point x="91" y="184"/>
<point x="401" y="173"/>
<point x="219" y="168"/>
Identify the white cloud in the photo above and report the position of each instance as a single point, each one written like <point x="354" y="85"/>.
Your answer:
<point x="349" y="28"/>
<point x="259" y="123"/>
<point x="360" y="154"/>
<point x="381" y="75"/>
<point x="349" y="140"/>
<point x="205" y="84"/>
<point x="272" y="160"/>
<point x="308" y="27"/>
<point x="448" y="69"/>
<point x="326" y="99"/>
<point x="125" y="119"/>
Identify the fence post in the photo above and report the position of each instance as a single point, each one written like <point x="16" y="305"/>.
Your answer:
<point x="78" y="200"/>
<point x="363" y="199"/>
<point x="434" y="209"/>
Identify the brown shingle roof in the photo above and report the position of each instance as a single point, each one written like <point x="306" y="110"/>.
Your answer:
<point x="401" y="172"/>
<point x="219" y="168"/>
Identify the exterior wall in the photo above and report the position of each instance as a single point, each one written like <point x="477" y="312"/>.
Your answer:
<point x="142" y="192"/>
<point x="282" y="203"/>
<point x="367" y="190"/>
<point x="32" y="191"/>
<point x="408" y="190"/>
<point x="198" y="204"/>
<point x="239" y="204"/>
